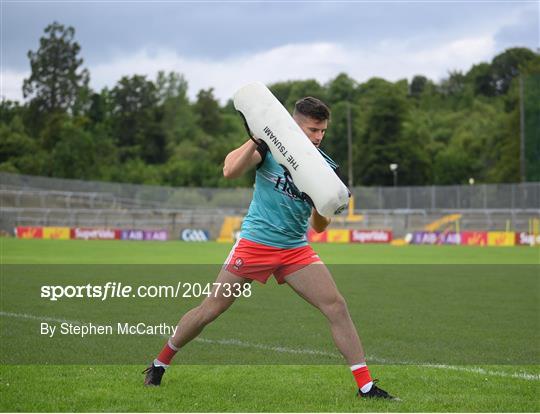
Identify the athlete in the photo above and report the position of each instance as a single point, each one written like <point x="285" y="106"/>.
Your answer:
<point x="273" y="241"/>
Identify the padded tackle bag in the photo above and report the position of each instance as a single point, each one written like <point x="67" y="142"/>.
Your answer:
<point x="266" y="119"/>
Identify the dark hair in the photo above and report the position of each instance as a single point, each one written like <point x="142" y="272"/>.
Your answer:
<point x="313" y="108"/>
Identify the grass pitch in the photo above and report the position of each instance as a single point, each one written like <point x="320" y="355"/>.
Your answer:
<point x="472" y="313"/>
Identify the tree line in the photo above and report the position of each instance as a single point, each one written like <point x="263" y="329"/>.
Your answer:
<point x="147" y="130"/>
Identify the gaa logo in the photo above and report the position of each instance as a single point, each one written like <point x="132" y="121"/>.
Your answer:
<point x="194" y="235"/>
<point x="238" y="263"/>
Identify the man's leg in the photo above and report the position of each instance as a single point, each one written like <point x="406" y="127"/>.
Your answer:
<point x="315" y="284"/>
<point x="194" y="321"/>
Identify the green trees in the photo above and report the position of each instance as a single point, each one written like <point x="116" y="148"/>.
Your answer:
<point x="18" y="151"/>
<point x="56" y="81"/>
<point x="386" y="139"/>
<point x="135" y="120"/>
<point x="506" y="66"/>
<point x="146" y="130"/>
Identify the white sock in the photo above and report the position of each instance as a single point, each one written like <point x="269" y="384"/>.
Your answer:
<point x="356" y="366"/>
<point x="367" y="387"/>
<point x="158" y="363"/>
<point x="171" y="345"/>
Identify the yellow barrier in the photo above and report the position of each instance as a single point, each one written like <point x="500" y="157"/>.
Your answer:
<point x="338" y="236"/>
<point x="59" y="233"/>
<point x="451" y="218"/>
<point x="230" y="225"/>
<point x="399" y="242"/>
<point x="534" y="226"/>
<point x="501" y="238"/>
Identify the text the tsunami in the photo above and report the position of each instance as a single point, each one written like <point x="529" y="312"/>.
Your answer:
<point x="281" y="148"/>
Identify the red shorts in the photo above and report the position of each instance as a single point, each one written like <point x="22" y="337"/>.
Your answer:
<point x="258" y="261"/>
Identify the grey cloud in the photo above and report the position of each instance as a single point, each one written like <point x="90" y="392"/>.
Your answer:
<point x="525" y="32"/>
<point x="216" y="31"/>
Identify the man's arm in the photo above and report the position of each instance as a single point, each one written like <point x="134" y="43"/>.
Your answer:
<point x="318" y="222"/>
<point x="238" y="161"/>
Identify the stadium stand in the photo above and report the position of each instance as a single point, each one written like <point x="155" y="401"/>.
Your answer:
<point x="42" y="201"/>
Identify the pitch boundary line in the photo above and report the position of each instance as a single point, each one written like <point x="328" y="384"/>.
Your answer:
<point x="302" y="351"/>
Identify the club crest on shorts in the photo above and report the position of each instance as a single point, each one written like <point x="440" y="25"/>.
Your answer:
<point x="238" y="263"/>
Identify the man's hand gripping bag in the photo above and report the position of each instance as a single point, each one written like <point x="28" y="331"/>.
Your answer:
<point x="268" y="120"/>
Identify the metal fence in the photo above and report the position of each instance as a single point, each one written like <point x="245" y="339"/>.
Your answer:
<point x="524" y="196"/>
<point x="25" y="191"/>
<point x="15" y="188"/>
<point x="42" y="201"/>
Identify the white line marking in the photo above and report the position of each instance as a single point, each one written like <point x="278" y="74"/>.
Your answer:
<point x="302" y="351"/>
<point x="280" y="349"/>
<point x="482" y="371"/>
<point x="38" y="318"/>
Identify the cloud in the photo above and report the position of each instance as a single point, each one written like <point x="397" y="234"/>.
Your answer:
<point x="459" y="54"/>
<point x="11" y="82"/>
<point x="522" y="29"/>
<point x="323" y="61"/>
<point x="296" y="61"/>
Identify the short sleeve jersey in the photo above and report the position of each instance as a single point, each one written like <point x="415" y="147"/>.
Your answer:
<point x="277" y="215"/>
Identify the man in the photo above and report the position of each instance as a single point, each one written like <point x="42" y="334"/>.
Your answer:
<point x="273" y="241"/>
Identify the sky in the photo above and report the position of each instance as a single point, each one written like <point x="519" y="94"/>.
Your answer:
<point x="225" y="44"/>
